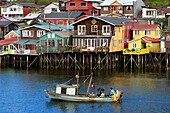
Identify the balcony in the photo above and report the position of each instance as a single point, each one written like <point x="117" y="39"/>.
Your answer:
<point x="93" y="34"/>
<point x="136" y="51"/>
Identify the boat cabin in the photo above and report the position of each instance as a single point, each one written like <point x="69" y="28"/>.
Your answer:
<point x="66" y="89"/>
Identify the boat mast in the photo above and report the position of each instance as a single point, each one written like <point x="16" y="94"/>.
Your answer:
<point x="90" y="82"/>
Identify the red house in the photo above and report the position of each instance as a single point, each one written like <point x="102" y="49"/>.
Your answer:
<point x="128" y="32"/>
<point x="29" y="7"/>
<point x="89" y="7"/>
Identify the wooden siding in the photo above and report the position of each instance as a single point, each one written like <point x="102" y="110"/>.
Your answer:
<point x="88" y="23"/>
<point x="117" y="41"/>
<point x="35" y="32"/>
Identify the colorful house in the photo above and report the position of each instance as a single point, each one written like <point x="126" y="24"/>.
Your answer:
<point x="146" y="38"/>
<point x="12" y="34"/>
<point x="62" y="18"/>
<point x="97" y="32"/>
<point x="129" y="8"/>
<point x="89" y="7"/>
<point x="7" y="46"/>
<point x="52" y="42"/>
<point x="6" y="26"/>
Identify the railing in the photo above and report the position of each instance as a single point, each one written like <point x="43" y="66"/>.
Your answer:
<point x="136" y="51"/>
<point x="98" y="33"/>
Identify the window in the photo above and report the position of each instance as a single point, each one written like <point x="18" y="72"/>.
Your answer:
<point x="11" y="36"/>
<point x="54" y="9"/>
<point x="60" y="22"/>
<point x="28" y="33"/>
<point x="40" y="33"/>
<point x="148" y="13"/>
<point x="19" y="9"/>
<point x="147" y="32"/>
<point x="94" y="12"/>
<point x="72" y="4"/>
<point x="134" y="45"/>
<point x="81" y="29"/>
<point x="114" y="43"/>
<point x="43" y="43"/>
<point x="51" y="43"/>
<point x="63" y="4"/>
<point x="129" y="8"/>
<point x="94" y="28"/>
<point x="83" y="4"/>
<point x="106" y="29"/>
<point x="105" y="8"/>
<point x="157" y="32"/>
<point x="15" y="9"/>
<point x="136" y="32"/>
<point x="4" y="10"/>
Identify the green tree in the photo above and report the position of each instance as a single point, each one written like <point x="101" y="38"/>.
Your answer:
<point x="159" y="3"/>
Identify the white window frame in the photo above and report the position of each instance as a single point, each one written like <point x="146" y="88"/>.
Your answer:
<point x="105" y="8"/>
<point x="94" y="28"/>
<point x="108" y="30"/>
<point x="134" y="45"/>
<point x="27" y="33"/>
<point x="147" y="32"/>
<point x="40" y="33"/>
<point x="81" y="29"/>
<point x="136" y="32"/>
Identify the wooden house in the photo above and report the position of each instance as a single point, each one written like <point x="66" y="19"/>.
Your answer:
<point x="94" y="33"/>
<point x="52" y="7"/>
<point x="129" y="8"/>
<point x="12" y="10"/>
<point x="62" y="18"/>
<point x="29" y="7"/>
<point x="6" y="26"/>
<point x="89" y="7"/>
<point x="146" y="38"/>
<point x="12" y="34"/>
<point x="52" y="42"/>
<point x="7" y="46"/>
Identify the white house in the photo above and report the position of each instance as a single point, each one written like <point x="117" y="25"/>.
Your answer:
<point x="148" y="12"/>
<point x="53" y="7"/>
<point x="12" y="10"/>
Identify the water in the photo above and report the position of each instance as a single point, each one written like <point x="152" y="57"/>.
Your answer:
<point x="22" y="91"/>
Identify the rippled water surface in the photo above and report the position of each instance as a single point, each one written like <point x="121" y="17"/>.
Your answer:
<point x="22" y="91"/>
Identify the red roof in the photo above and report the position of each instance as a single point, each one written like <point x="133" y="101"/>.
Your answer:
<point x="8" y="41"/>
<point x="149" y="39"/>
<point x="145" y="26"/>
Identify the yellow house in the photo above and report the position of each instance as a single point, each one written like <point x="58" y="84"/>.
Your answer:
<point x="146" y="38"/>
<point x="117" y="41"/>
<point x="140" y="30"/>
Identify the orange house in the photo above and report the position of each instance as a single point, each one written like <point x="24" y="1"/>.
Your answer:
<point x="12" y="34"/>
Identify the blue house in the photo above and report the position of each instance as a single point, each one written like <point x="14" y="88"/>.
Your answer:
<point x="52" y="42"/>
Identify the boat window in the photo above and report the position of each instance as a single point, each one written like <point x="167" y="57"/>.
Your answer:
<point x="63" y="91"/>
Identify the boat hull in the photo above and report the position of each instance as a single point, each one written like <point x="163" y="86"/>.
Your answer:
<point x="79" y="98"/>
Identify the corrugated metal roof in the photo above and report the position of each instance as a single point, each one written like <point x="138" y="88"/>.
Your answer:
<point x="149" y="39"/>
<point x="22" y="41"/>
<point x="145" y="26"/>
<point x="32" y="42"/>
<point x="8" y="41"/>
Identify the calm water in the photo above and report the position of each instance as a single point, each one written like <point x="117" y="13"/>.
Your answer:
<point x="22" y="91"/>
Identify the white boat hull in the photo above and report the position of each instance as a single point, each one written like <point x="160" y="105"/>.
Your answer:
<point x="79" y="98"/>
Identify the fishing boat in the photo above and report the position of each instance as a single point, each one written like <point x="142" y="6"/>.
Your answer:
<point x="70" y="92"/>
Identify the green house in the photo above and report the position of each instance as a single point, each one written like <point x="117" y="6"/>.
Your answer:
<point x="52" y="42"/>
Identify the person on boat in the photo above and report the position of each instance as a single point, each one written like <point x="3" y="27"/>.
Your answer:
<point x="102" y="93"/>
<point x="112" y="92"/>
<point x="99" y="91"/>
<point x="92" y="87"/>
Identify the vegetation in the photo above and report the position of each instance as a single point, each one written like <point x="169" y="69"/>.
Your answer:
<point x="157" y="3"/>
<point x="163" y="22"/>
<point x="38" y="2"/>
